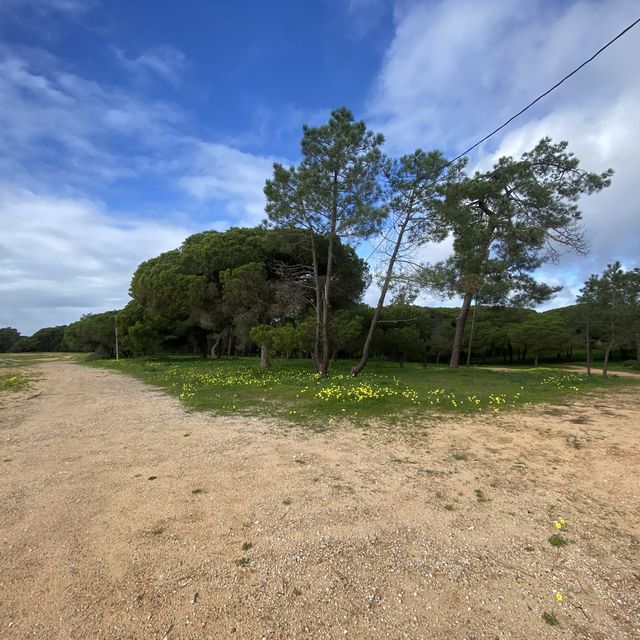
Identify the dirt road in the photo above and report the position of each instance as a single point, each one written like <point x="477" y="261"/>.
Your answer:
<point x="124" y="516"/>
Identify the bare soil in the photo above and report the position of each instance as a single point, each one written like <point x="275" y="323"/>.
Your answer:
<point x="437" y="531"/>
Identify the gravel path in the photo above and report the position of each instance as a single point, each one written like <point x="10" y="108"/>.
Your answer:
<point x="433" y="532"/>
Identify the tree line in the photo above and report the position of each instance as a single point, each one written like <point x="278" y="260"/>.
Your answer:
<point x="293" y="286"/>
<point x="604" y="323"/>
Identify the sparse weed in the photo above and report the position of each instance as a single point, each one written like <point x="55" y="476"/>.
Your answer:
<point x="550" y="618"/>
<point x="558" y="540"/>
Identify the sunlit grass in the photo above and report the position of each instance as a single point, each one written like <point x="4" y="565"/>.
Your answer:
<point x="28" y="358"/>
<point x="12" y="381"/>
<point x="290" y="389"/>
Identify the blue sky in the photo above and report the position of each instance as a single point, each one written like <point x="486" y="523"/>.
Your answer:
<point x="129" y="125"/>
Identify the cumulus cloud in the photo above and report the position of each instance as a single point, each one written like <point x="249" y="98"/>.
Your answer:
<point x="61" y="257"/>
<point x="66" y="136"/>
<point x="457" y="69"/>
<point x="219" y="172"/>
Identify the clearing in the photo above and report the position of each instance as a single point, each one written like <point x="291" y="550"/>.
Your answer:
<point x="126" y="516"/>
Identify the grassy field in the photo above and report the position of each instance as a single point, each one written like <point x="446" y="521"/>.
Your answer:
<point x="23" y="359"/>
<point x="290" y="389"/>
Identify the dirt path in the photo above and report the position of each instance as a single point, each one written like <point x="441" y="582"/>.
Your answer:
<point x="354" y="534"/>
<point x="574" y="368"/>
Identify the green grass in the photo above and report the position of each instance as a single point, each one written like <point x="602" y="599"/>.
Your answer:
<point x="550" y="619"/>
<point x="12" y="381"/>
<point x="557" y="540"/>
<point x="290" y="389"/>
<point x="23" y="359"/>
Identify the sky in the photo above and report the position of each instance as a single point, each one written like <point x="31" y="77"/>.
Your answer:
<point x="127" y="126"/>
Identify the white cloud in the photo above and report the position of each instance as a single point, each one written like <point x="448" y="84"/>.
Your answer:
<point x="166" y="62"/>
<point x="64" y="136"/>
<point x="61" y="128"/>
<point x="219" y="172"/>
<point x="70" y="7"/>
<point x="58" y="126"/>
<point x="457" y="69"/>
<point x="61" y="257"/>
<point x="601" y="138"/>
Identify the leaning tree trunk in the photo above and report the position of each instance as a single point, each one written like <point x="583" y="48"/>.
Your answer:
<point x="383" y="293"/>
<point x="454" y="362"/>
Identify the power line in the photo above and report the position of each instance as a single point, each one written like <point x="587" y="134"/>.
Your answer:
<point x="547" y="92"/>
<point x="512" y="118"/>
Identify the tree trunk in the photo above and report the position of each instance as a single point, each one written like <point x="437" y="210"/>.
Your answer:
<point x="454" y="362"/>
<point x="607" y="353"/>
<point x="605" y="364"/>
<point x="589" y="355"/>
<point x="215" y="352"/>
<point x="473" y="326"/>
<point x="484" y="251"/>
<point x="326" y="305"/>
<point x="535" y="360"/>
<point x="264" y="357"/>
<point x="315" y="354"/>
<point x="383" y="293"/>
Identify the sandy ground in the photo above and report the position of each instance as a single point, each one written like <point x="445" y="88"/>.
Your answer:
<point x="354" y="533"/>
